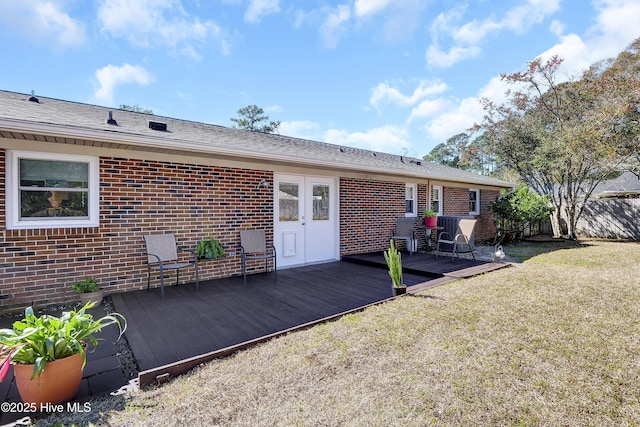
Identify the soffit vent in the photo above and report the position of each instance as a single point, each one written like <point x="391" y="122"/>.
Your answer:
<point x="159" y="126"/>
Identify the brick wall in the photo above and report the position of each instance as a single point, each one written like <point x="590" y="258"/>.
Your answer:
<point x="136" y="198"/>
<point x="456" y="202"/>
<point x="368" y="210"/>
<point x="486" y="229"/>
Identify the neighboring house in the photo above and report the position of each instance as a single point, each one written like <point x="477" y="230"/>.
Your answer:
<point x="82" y="184"/>
<point x="614" y="209"/>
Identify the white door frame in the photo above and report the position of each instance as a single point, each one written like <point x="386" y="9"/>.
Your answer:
<point x="300" y="238"/>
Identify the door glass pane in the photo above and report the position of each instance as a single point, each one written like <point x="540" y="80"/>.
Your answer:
<point x="288" y="200"/>
<point x="320" y="202"/>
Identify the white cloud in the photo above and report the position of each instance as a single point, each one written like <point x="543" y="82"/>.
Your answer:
<point x="165" y="23"/>
<point x="557" y="28"/>
<point x="44" y="22"/>
<point x="369" y="7"/>
<point x="428" y="108"/>
<point x="334" y="25"/>
<point x="384" y="93"/>
<point x="467" y="38"/>
<point x="457" y="120"/>
<point x="301" y="129"/>
<point x="615" y="28"/>
<point x="111" y="76"/>
<point x="386" y="139"/>
<point x="439" y="58"/>
<point x="259" y="8"/>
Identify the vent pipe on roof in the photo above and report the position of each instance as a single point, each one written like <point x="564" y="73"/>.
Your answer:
<point x="111" y="120"/>
<point x="33" y="97"/>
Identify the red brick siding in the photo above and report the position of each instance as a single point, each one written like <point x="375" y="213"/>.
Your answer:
<point x="136" y="198"/>
<point x="486" y="229"/>
<point x="456" y="202"/>
<point x="368" y="210"/>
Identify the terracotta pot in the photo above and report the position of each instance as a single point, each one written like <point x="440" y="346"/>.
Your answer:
<point x="96" y="296"/>
<point x="58" y="383"/>
<point x="431" y="221"/>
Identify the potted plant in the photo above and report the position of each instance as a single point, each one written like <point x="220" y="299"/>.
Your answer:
<point x="430" y="218"/>
<point x="209" y="248"/>
<point x="48" y="353"/>
<point x="394" y="262"/>
<point x="88" y="290"/>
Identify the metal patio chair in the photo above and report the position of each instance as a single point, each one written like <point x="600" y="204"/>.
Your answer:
<point x="404" y="230"/>
<point x="253" y="245"/>
<point x="463" y="237"/>
<point x="162" y="253"/>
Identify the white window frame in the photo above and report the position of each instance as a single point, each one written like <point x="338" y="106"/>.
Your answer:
<point x="12" y="191"/>
<point x="414" y="187"/>
<point x="439" y="200"/>
<point x="476" y="211"/>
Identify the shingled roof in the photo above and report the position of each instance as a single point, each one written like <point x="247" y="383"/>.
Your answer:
<point x="77" y="123"/>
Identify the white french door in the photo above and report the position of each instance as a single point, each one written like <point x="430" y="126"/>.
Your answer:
<point x="306" y="223"/>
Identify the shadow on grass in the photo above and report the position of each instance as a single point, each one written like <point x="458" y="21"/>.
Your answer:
<point x="529" y="248"/>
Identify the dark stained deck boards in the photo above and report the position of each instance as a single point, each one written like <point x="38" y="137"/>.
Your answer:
<point x="427" y="265"/>
<point x="226" y="313"/>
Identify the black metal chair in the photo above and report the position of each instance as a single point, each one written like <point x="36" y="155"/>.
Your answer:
<point x="162" y="252"/>
<point x="253" y="245"/>
<point x="405" y="231"/>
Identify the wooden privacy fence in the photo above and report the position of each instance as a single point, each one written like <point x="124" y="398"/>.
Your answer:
<point x="610" y="218"/>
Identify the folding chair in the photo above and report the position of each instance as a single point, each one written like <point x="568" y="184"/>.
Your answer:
<point x="253" y="245"/>
<point x="405" y="231"/>
<point x="463" y="237"/>
<point x="162" y="252"/>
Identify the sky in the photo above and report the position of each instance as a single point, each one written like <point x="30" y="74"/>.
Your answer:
<point x="396" y="76"/>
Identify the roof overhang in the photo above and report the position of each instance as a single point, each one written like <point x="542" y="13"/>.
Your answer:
<point x="65" y="134"/>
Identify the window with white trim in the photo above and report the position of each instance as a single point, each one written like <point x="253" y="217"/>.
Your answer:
<point x="50" y="190"/>
<point x="474" y="201"/>
<point x="436" y="199"/>
<point x="411" y="200"/>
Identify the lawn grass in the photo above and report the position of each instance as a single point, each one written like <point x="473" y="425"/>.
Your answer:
<point x="552" y="342"/>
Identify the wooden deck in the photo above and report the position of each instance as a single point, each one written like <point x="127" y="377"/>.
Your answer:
<point x="225" y="313"/>
<point x="430" y="267"/>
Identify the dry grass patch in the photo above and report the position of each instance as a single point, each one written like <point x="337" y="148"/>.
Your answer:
<point x="554" y="342"/>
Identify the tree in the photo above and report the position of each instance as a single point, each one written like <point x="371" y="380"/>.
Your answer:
<point x="513" y="210"/>
<point x="451" y="152"/>
<point x="252" y="118"/>
<point x="135" y="108"/>
<point x="463" y="153"/>
<point x="565" y="138"/>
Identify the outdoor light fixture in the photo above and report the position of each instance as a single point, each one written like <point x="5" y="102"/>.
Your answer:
<point x="263" y="183"/>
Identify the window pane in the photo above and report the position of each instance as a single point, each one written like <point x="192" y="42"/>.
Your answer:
<point x="435" y="206"/>
<point x="288" y="201"/>
<point x="53" y="174"/>
<point x="320" y="202"/>
<point x="473" y="201"/>
<point x="38" y="204"/>
<point x="436" y="194"/>
<point x="408" y="207"/>
<point x="408" y="193"/>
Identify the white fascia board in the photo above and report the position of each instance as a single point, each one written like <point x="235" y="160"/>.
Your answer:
<point x="120" y="137"/>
